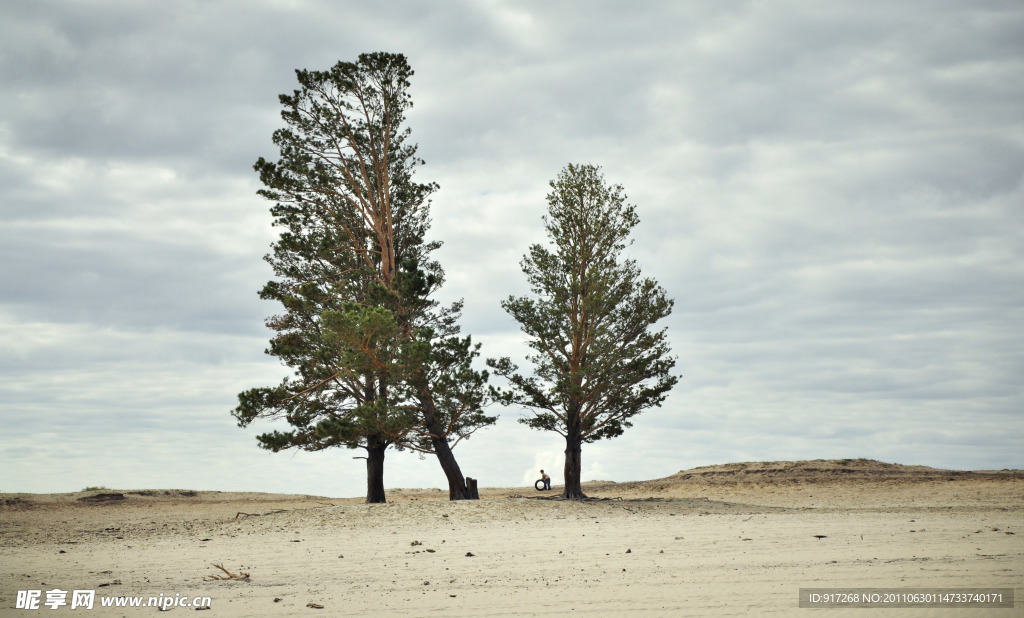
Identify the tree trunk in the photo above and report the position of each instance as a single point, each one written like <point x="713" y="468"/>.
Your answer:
<point x="457" y="489"/>
<point x="456" y="482"/>
<point x="375" y="470"/>
<point x="573" y="462"/>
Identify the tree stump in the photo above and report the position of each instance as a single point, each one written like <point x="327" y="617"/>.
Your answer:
<point x="471" y="491"/>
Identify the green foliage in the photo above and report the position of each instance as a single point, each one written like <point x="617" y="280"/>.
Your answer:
<point x="344" y="178"/>
<point x="96" y="488"/>
<point x="442" y="385"/>
<point x="597" y="359"/>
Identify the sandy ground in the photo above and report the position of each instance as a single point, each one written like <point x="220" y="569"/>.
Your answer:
<point x="740" y="539"/>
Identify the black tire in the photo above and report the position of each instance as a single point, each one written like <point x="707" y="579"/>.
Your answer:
<point x="539" y="485"/>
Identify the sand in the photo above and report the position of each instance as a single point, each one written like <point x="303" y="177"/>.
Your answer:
<point x="740" y="539"/>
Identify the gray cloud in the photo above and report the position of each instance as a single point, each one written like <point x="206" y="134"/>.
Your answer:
<point x="832" y="196"/>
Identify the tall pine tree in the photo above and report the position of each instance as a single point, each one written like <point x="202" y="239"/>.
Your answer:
<point x="354" y="274"/>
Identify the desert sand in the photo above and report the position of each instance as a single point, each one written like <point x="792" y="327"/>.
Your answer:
<point x="731" y="540"/>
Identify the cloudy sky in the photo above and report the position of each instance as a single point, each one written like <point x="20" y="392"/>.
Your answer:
<point x="834" y="197"/>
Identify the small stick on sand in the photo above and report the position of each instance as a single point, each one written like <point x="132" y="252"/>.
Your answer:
<point x="240" y="576"/>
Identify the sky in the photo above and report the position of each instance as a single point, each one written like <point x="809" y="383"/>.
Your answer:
<point x="832" y="193"/>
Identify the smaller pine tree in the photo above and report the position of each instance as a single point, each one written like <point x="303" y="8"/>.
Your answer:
<point x="598" y="361"/>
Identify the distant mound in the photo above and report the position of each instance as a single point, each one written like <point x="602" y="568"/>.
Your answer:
<point x="825" y="471"/>
<point x="794" y="473"/>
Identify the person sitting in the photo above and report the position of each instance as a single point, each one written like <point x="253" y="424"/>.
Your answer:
<point x="546" y="479"/>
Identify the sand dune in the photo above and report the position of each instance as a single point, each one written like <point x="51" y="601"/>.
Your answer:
<point x="737" y="539"/>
